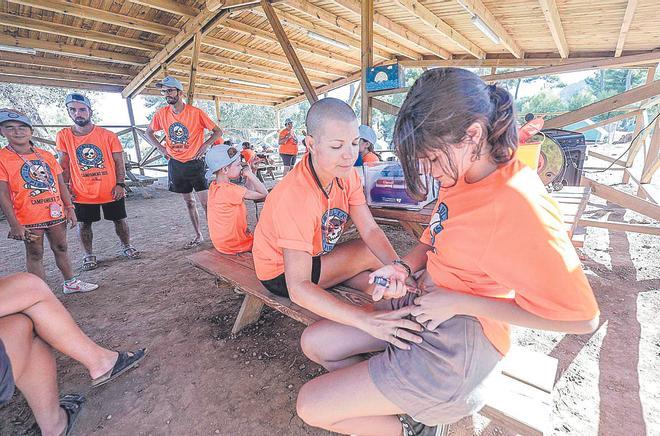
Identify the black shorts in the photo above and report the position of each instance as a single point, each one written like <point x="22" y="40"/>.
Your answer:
<point x="278" y="285"/>
<point x="7" y="385"/>
<point x="91" y="213"/>
<point x="186" y="176"/>
<point x="288" y="160"/>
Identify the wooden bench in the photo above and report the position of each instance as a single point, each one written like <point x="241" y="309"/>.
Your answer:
<point x="519" y="391"/>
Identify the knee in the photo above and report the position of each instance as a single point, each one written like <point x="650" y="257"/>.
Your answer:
<point x="307" y="407"/>
<point x="35" y="252"/>
<point x="309" y="343"/>
<point x="30" y="284"/>
<point x="59" y="247"/>
<point x="191" y="203"/>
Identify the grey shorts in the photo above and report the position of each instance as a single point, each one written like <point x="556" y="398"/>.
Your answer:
<point x="6" y="376"/>
<point x="440" y="380"/>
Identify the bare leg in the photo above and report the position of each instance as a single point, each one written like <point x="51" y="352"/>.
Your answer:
<point x="34" y="255"/>
<point x="57" y="240"/>
<point x="285" y="170"/>
<point x="348" y="263"/>
<point x="336" y="346"/>
<point x="203" y="197"/>
<point x="191" y="204"/>
<point x="86" y="237"/>
<point x="35" y="374"/>
<point x="25" y="293"/>
<point x="121" y="228"/>
<point x="347" y="402"/>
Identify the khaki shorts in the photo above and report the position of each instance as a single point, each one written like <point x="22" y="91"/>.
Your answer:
<point x="440" y="380"/>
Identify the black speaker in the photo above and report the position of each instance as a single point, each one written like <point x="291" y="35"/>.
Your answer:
<point x="575" y="153"/>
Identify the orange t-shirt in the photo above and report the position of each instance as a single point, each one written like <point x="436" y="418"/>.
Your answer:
<point x="184" y="132"/>
<point x="290" y="146"/>
<point x="297" y="216"/>
<point x="370" y="158"/>
<point x="248" y="154"/>
<point x="227" y="218"/>
<point x="33" y="188"/>
<point x="91" y="166"/>
<point x="503" y="237"/>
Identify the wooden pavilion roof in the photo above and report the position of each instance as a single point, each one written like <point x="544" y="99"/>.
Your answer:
<point x="126" y="45"/>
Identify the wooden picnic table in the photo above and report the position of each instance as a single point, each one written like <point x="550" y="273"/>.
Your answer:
<point x="572" y="201"/>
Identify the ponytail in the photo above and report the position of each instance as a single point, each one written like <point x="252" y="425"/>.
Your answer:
<point x="502" y="130"/>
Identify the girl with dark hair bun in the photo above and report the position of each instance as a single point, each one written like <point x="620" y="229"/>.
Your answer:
<point x="495" y="253"/>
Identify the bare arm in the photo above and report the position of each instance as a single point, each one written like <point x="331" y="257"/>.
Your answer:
<point x="372" y="234"/>
<point x="8" y="209"/>
<point x="119" y="192"/>
<point x="256" y="189"/>
<point x="69" y="212"/>
<point x="217" y="132"/>
<point x="66" y="166"/>
<point x="152" y="140"/>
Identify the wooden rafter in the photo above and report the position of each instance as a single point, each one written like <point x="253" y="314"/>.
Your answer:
<point x="289" y="51"/>
<point x="625" y="98"/>
<point x="73" y="50"/>
<point x="168" y="6"/>
<point x="74" y="32"/>
<point x="399" y="33"/>
<point x="64" y="63"/>
<point x="551" y="14"/>
<point x="367" y="28"/>
<point x="427" y="17"/>
<point x="346" y="26"/>
<point x="60" y="75"/>
<point x="640" y="120"/>
<point x="384" y="106"/>
<point x="175" y="45"/>
<point x="59" y="83"/>
<point x="500" y="62"/>
<point x="625" y="26"/>
<point x="652" y="155"/>
<point x="224" y="97"/>
<point x="607" y="121"/>
<point x="225" y="85"/>
<point x="476" y="7"/>
<point x="322" y="89"/>
<point x="197" y="46"/>
<point x="103" y="16"/>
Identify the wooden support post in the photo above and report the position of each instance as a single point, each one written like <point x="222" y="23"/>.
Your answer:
<point x="652" y="155"/>
<point x="249" y="313"/>
<point x="628" y="201"/>
<point x="163" y="68"/>
<point x="367" y="49"/>
<point x="290" y="53"/>
<point x="640" y="122"/>
<point x="216" y="102"/>
<point x="197" y="44"/>
<point x="354" y="98"/>
<point x="136" y="139"/>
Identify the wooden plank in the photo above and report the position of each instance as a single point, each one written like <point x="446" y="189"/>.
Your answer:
<point x="532" y="368"/>
<point x="249" y="313"/>
<point x="290" y="53"/>
<point x="136" y="138"/>
<point x="552" y="18"/>
<point x="606" y="158"/>
<point x="174" y="46"/>
<point x="625" y="98"/>
<point x="389" y="92"/>
<point x="322" y="89"/>
<point x="622" y="227"/>
<point x="65" y="63"/>
<point x="58" y="83"/>
<point x="640" y="123"/>
<point x="622" y="199"/>
<point x="367" y="58"/>
<point x="169" y="6"/>
<point x="608" y="121"/>
<point x="197" y="44"/>
<point x="476" y="7"/>
<point x="72" y="50"/>
<point x="27" y="23"/>
<point x="61" y="75"/>
<point x="385" y="106"/>
<point x="100" y="15"/>
<point x="427" y="17"/>
<point x="625" y="26"/>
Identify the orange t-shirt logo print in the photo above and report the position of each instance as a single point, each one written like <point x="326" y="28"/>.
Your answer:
<point x="38" y="178"/>
<point x="435" y="227"/>
<point x="179" y="135"/>
<point x="89" y="156"/>
<point x="332" y="225"/>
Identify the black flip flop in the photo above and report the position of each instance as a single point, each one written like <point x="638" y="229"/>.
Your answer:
<point x="126" y="361"/>
<point x="72" y="405"/>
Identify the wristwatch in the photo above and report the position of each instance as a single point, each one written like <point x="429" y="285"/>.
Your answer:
<point x="123" y="185"/>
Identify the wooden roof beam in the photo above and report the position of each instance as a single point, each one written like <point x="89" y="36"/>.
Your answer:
<point x="367" y="57"/>
<point x="346" y="26"/>
<point x="234" y="87"/>
<point x="21" y="22"/>
<point x="90" y="13"/>
<point x="322" y="89"/>
<point x="290" y="53"/>
<point x="223" y="97"/>
<point x="221" y="77"/>
<point x="201" y="23"/>
<point x="59" y="75"/>
<point x="389" y="28"/>
<point x="427" y="17"/>
<point x="170" y="6"/>
<point x="59" y="83"/>
<point x="476" y="7"/>
<point x="265" y="35"/>
<point x="73" y="50"/>
<point x="625" y="26"/>
<point x="551" y="14"/>
<point x="497" y="62"/>
<point x="63" y="63"/>
<point x="330" y="73"/>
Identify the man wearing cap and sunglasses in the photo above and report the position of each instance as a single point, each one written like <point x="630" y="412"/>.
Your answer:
<point x="184" y="148"/>
<point x="93" y="162"/>
<point x="288" y="146"/>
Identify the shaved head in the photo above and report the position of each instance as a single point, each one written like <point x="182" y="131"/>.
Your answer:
<point x="325" y="111"/>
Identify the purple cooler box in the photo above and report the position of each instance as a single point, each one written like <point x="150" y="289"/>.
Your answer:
<point x="385" y="186"/>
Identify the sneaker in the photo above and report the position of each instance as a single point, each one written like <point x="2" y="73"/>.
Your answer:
<point x="414" y="428"/>
<point x="76" y="285"/>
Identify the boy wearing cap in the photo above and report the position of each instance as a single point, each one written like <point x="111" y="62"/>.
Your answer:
<point x="92" y="161"/>
<point x="184" y="148"/>
<point x="35" y="200"/>
<point x="367" y="141"/>
<point x="227" y="216"/>
<point x="288" y="146"/>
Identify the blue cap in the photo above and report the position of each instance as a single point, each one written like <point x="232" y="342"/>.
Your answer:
<point x="219" y="157"/>
<point x="8" y="115"/>
<point x="288" y="121"/>
<point x="368" y="134"/>
<point x="75" y="97"/>
<point x="170" y="82"/>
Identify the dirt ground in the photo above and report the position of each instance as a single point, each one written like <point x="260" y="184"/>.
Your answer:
<point x="198" y="380"/>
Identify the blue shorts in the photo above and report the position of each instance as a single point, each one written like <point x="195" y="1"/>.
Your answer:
<point x="288" y="160"/>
